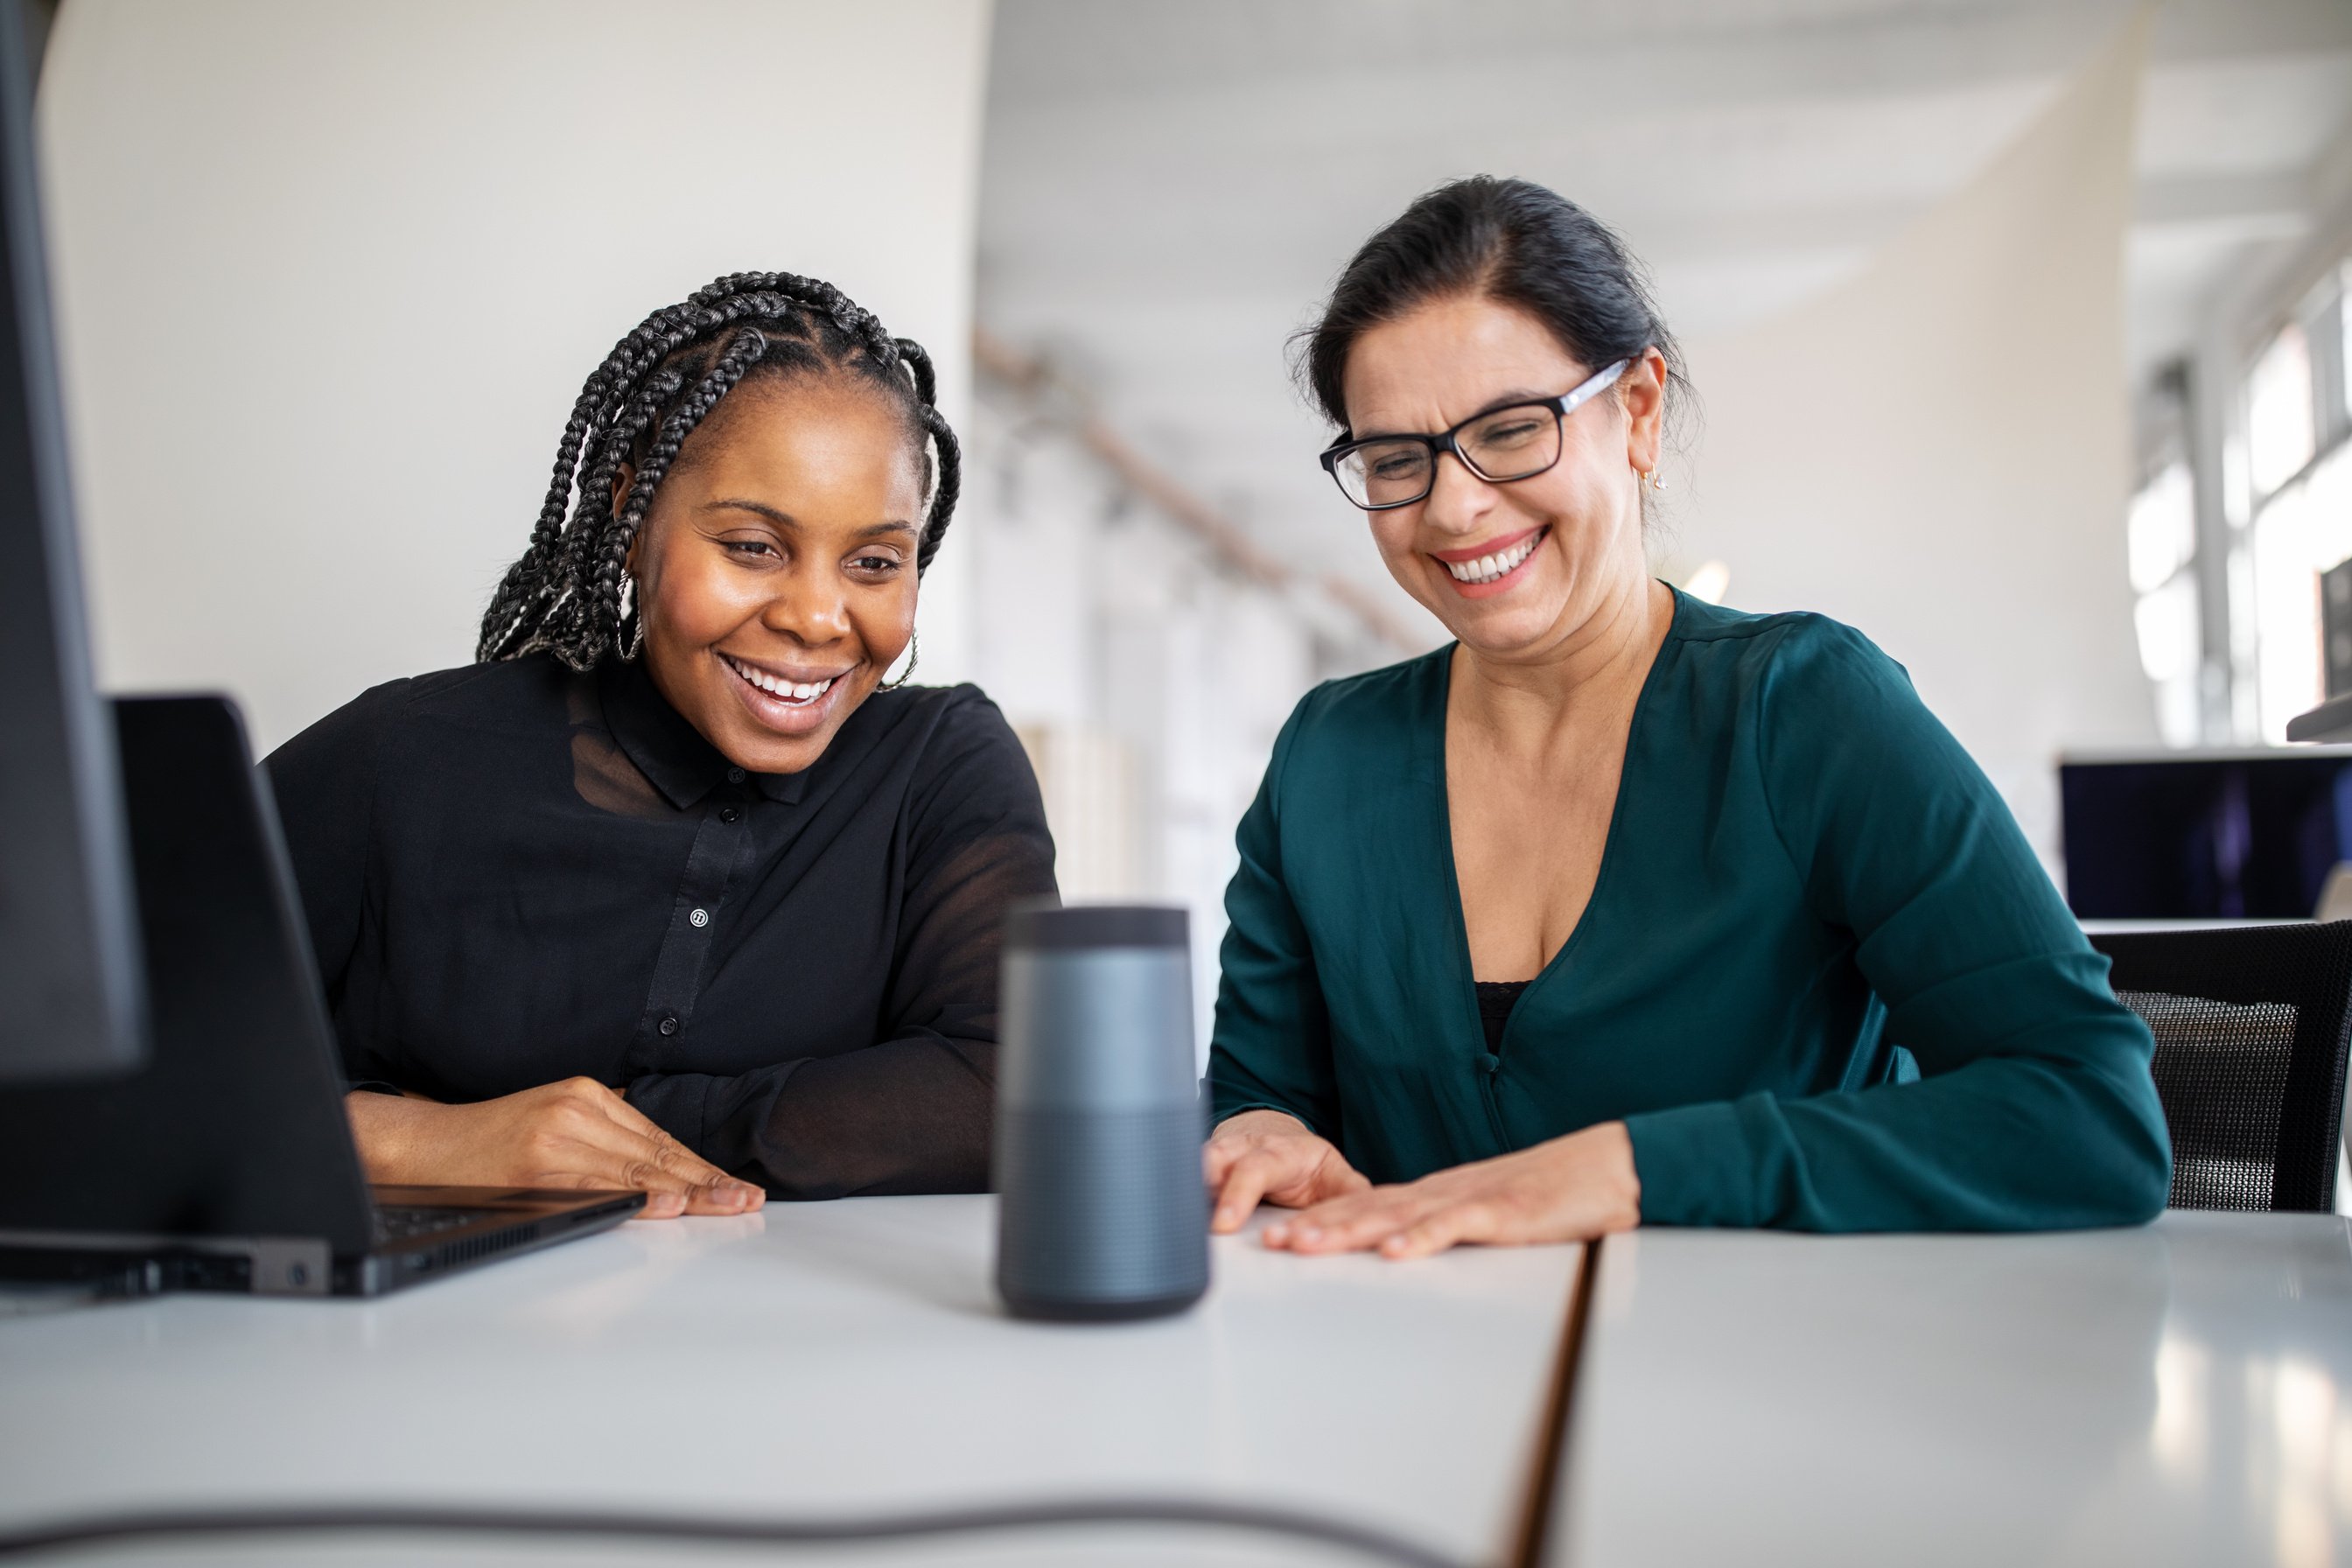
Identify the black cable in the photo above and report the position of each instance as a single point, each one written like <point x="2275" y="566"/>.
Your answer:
<point x="1376" y="1544"/>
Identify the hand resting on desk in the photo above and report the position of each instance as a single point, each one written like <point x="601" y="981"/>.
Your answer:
<point x="1569" y="1189"/>
<point x="1268" y="1155"/>
<point x="576" y="1135"/>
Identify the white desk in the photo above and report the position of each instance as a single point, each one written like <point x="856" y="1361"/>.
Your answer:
<point x="824" y="1358"/>
<point x="2175" y="1394"/>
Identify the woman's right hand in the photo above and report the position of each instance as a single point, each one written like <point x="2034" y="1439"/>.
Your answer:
<point x="576" y="1134"/>
<point x="1269" y="1156"/>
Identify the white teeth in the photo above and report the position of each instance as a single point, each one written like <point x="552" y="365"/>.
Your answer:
<point x="1487" y="568"/>
<point x="791" y="691"/>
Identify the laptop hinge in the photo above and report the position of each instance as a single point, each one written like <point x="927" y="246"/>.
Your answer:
<point x="274" y="1265"/>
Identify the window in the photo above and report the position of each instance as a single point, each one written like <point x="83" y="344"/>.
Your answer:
<point x="2299" y="469"/>
<point x="2163" y="545"/>
<point x="2299" y="533"/>
<point x="2280" y="430"/>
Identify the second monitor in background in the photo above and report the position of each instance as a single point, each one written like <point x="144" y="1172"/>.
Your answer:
<point x="2251" y="835"/>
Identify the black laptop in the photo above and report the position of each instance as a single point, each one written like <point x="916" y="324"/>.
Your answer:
<point x="227" y="1162"/>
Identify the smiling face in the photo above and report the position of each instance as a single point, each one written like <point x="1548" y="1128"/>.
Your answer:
<point x="776" y="568"/>
<point x="1515" y="569"/>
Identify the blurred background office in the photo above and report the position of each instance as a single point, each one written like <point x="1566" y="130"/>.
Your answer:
<point x="2019" y="331"/>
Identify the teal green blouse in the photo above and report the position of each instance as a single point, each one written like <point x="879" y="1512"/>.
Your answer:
<point x="1823" y="979"/>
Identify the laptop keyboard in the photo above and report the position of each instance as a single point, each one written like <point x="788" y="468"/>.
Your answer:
<point x="397" y="1222"/>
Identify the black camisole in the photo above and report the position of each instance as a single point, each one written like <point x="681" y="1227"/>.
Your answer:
<point x="1496" y="1000"/>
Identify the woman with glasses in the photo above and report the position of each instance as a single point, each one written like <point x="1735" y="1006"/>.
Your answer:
<point x="1623" y="908"/>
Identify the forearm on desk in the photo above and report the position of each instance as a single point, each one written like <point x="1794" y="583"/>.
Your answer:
<point x="910" y="1114"/>
<point x="2008" y="1141"/>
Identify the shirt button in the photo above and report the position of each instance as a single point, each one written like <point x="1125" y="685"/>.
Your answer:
<point x="734" y="775"/>
<point x="670" y="1024"/>
<point x="730" y="813"/>
<point x="1491" y="1062"/>
<point x="698" y="919"/>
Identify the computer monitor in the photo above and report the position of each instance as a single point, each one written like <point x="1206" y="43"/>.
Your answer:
<point x="72" y="983"/>
<point x="2249" y="835"/>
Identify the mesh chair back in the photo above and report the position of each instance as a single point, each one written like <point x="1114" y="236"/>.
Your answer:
<point x="2251" y="1036"/>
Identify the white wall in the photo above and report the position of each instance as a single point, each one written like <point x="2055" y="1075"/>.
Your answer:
<point x="329" y="277"/>
<point x="1937" y="450"/>
<point x="1149" y="684"/>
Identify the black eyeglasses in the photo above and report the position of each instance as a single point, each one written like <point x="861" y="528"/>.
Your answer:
<point x="1516" y="442"/>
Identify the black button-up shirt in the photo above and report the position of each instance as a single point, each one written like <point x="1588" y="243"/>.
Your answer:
<point x="515" y="873"/>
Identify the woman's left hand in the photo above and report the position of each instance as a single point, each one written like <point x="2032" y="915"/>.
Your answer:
<point x="1570" y="1189"/>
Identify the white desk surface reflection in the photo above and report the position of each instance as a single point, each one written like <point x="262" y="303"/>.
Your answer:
<point x="822" y="1358"/>
<point x="2180" y="1394"/>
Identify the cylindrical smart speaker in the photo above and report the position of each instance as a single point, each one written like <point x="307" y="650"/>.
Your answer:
<point x="1102" y="1213"/>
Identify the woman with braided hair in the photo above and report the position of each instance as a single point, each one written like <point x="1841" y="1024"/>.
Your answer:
<point x="674" y="889"/>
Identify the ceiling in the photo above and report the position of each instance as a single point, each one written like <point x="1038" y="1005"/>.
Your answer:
<point x="1168" y="190"/>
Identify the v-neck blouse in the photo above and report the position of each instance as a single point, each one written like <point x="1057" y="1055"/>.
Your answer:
<point x="1821" y="979"/>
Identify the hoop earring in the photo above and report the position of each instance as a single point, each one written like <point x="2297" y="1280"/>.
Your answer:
<point x="913" y="657"/>
<point x="629" y="646"/>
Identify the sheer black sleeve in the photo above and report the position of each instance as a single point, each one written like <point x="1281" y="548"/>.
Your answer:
<point x="912" y="1113"/>
<point x="324" y="782"/>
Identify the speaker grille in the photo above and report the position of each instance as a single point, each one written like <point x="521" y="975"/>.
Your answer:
<point x="1100" y="1207"/>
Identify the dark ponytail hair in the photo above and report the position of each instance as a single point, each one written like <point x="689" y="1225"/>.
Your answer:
<point x="564" y="597"/>
<point x="1507" y="240"/>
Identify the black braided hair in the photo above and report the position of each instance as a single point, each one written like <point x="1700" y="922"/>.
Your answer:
<point x="564" y="595"/>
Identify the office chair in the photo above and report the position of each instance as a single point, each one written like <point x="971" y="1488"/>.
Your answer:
<point x="2251" y="1036"/>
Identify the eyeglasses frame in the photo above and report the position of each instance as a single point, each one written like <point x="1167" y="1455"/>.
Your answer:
<point x="1565" y="404"/>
